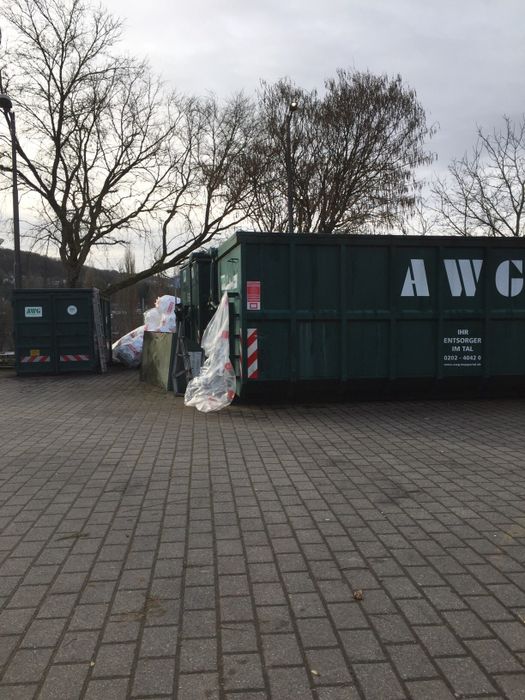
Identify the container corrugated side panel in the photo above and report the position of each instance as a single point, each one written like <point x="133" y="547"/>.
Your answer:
<point x="74" y="331"/>
<point x="35" y="351"/>
<point x="340" y="309"/>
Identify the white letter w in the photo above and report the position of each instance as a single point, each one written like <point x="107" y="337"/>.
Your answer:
<point x="463" y="276"/>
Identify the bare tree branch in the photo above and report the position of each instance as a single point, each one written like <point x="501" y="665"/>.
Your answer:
<point x="484" y="192"/>
<point x="109" y="153"/>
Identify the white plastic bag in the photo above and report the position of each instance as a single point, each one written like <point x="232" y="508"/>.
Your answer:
<point x="152" y="320"/>
<point x="128" y="349"/>
<point x="166" y="304"/>
<point x="214" y="388"/>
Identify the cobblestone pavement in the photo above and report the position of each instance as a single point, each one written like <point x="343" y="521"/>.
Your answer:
<point x="149" y="551"/>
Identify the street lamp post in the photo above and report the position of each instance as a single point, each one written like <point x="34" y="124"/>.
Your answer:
<point x="289" y="170"/>
<point x="6" y="106"/>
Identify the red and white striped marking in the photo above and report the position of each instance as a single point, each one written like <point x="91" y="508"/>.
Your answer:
<point x="253" y="367"/>
<point x="238" y="337"/>
<point x="74" y="358"/>
<point x="35" y="358"/>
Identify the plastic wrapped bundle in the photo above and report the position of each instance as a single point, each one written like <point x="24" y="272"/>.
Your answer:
<point x="128" y="349"/>
<point x="165" y="305"/>
<point x="214" y="387"/>
<point x="152" y="320"/>
<point x="161" y="318"/>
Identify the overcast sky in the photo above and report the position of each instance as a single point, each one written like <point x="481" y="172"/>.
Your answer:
<point x="465" y="58"/>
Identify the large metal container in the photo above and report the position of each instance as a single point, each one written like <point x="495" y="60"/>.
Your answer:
<point x="198" y="292"/>
<point x="55" y="331"/>
<point x="345" y="314"/>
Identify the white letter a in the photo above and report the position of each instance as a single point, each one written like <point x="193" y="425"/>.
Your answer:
<point x="415" y="284"/>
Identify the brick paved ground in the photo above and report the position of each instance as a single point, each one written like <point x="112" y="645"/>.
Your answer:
<point x="149" y="551"/>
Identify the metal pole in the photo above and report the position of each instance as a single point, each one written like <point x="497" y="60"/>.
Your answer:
<point x="289" y="169"/>
<point x="289" y="172"/>
<point x="16" y="216"/>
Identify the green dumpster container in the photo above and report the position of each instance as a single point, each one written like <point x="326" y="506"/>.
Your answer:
<point x="198" y="293"/>
<point x="351" y="314"/>
<point x="55" y="331"/>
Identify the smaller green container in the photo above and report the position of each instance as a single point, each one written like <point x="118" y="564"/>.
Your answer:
<point x="55" y="330"/>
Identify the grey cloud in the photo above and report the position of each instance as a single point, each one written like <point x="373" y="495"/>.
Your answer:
<point x="464" y="58"/>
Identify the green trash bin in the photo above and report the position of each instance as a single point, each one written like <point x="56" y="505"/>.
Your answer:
<point x="55" y="330"/>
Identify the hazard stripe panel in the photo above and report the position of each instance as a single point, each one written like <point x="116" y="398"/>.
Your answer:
<point x="35" y="358"/>
<point x="252" y="357"/>
<point x="74" y="358"/>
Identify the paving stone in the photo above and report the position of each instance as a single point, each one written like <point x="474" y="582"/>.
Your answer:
<point x="466" y="624"/>
<point x="391" y="628"/>
<point x="27" y="666"/>
<point x="316" y="632"/>
<point x="378" y="680"/>
<point x="274" y="619"/>
<point x="493" y="656"/>
<point x="330" y="667"/>
<point x="465" y="676"/>
<point x="115" y="688"/>
<point x="199" y="685"/>
<point x="114" y="660"/>
<point x="154" y="676"/>
<point x="7" y="645"/>
<point x="291" y="683"/>
<point x="281" y="650"/>
<point x="239" y="637"/>
<point x="488" y="608"/>
<point x="361" y="645"/>
<point x="513" y="686"/>
<point x="198" y="655"/>
<point x="512" y="633"/>
<point x="439" y="641"/>
<point x="347" y="692"/>
<point x="430" y="690"/>
<point x="419" y="612"/>
<point x="15" y="621"/>
<point x="88" y="617"/>
<point x="76" y="647"/>
<point x="347" y="615"/>
<point x="159" y="641"/>
<point x="411" y="662"/>
<point x="242" y="671"/>
<point x="64" y="681"/>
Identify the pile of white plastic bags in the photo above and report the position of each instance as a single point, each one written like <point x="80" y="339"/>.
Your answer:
<point x="161" y="318"/>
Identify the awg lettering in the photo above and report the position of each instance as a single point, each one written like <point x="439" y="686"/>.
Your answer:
<point x="463" y="277"/>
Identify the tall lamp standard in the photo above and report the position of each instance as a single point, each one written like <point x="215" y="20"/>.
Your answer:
<point x="289" y="170"/>
<point x="7" y="107"/>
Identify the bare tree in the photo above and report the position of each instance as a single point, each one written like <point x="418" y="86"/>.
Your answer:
<point x="485" y="191"/>
<point x="209" y="187"/>
<point x="355" y="150"/>
<point x="107" y="152"/>
<point x="421" y="220"/>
